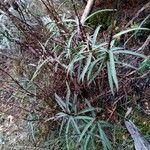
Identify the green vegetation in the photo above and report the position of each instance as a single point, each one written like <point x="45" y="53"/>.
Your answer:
<point x="72" y="87"/>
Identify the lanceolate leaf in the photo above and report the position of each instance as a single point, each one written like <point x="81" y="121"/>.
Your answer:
<point x="68" y="54"/>
<point x="86" y="110"/>
<point x="125" y="64"/>
<point x="85" y="130"/>
<point x="75" y="125"/>
<point x="67" y="132"/>
<point x="113" y="69"/>
<point x="110" y="78"/>
<point x="85" y="69"/>
<point x="92" y="65"/>
<point x="39" y="68"/>
<point x="95" y="35"/>
<point x="60" y="102"/>
<point x="106" y="143"/>
<point x="129" y="30"/>
<point x="71" y="65"/>
<point x="68" y="97"/>
<point x="103" y="10"/>
<point x="97" y="72"/>
<point x="87" y="138"/>
<point x="83" y="117"/>
<point x="130" y="53"/>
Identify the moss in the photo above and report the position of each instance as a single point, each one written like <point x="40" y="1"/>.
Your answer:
<point x="142" y="123"/>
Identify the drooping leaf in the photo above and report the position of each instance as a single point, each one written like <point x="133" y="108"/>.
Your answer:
<point x="103" y="10"/>
<point x="129" y="30"/>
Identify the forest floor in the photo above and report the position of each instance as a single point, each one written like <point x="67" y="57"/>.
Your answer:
<point x="14" y="128"/>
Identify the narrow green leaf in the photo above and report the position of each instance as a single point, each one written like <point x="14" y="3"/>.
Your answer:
<point x="125" y="64"/>
<point x="86" y="110"/>
<point x="88" y="125"/>
<point x="86" y="142"/>
<point x="87" y="138"/>
<point x="67" y="133"/>
<point x="85" y="69"/>
<point x="95" y="35"/>
<point x="83" y="118"/>
<point x="75" y="125"/>
<point x="71" y="64"/>
<point x="98" y="71"/>
<point x="61" y="115"/>
<point x="68" y="97"/>
<point x="130" y="53"/>
<point x="92" y="65"/>
<point x="113" y="69"/>
<point x="79" y="70"/>
<point x="62" y="126"/>
<point x="106" y="143"/>
<point x="110" y="78"/>
<point x="60" y="102"/>
<point x="69" y="44"/>
<point x="116" y="49"/>
<point x="103" y="10"/>
<point x="39" y="68"/>
<point x="93" y="143"/>
<point x="129" y="30"/>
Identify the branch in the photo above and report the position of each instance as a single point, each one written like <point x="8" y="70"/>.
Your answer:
<point x="87" y="10"/>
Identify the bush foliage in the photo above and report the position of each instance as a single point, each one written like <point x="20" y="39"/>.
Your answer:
<point x="73" y="82"/>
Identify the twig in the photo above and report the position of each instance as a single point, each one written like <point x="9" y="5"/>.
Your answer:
<point x="80" y="30"/>
<point x="145" y="44"/>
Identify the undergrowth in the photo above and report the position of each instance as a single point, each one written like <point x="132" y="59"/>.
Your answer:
<point x="74" y="87"/>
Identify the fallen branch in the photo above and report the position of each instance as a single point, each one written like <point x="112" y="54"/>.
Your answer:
<point x="87" y="10"/>
<point x="146" y="43"/>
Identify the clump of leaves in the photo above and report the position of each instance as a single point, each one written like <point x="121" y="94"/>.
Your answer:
<point x="80" y="126"/>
